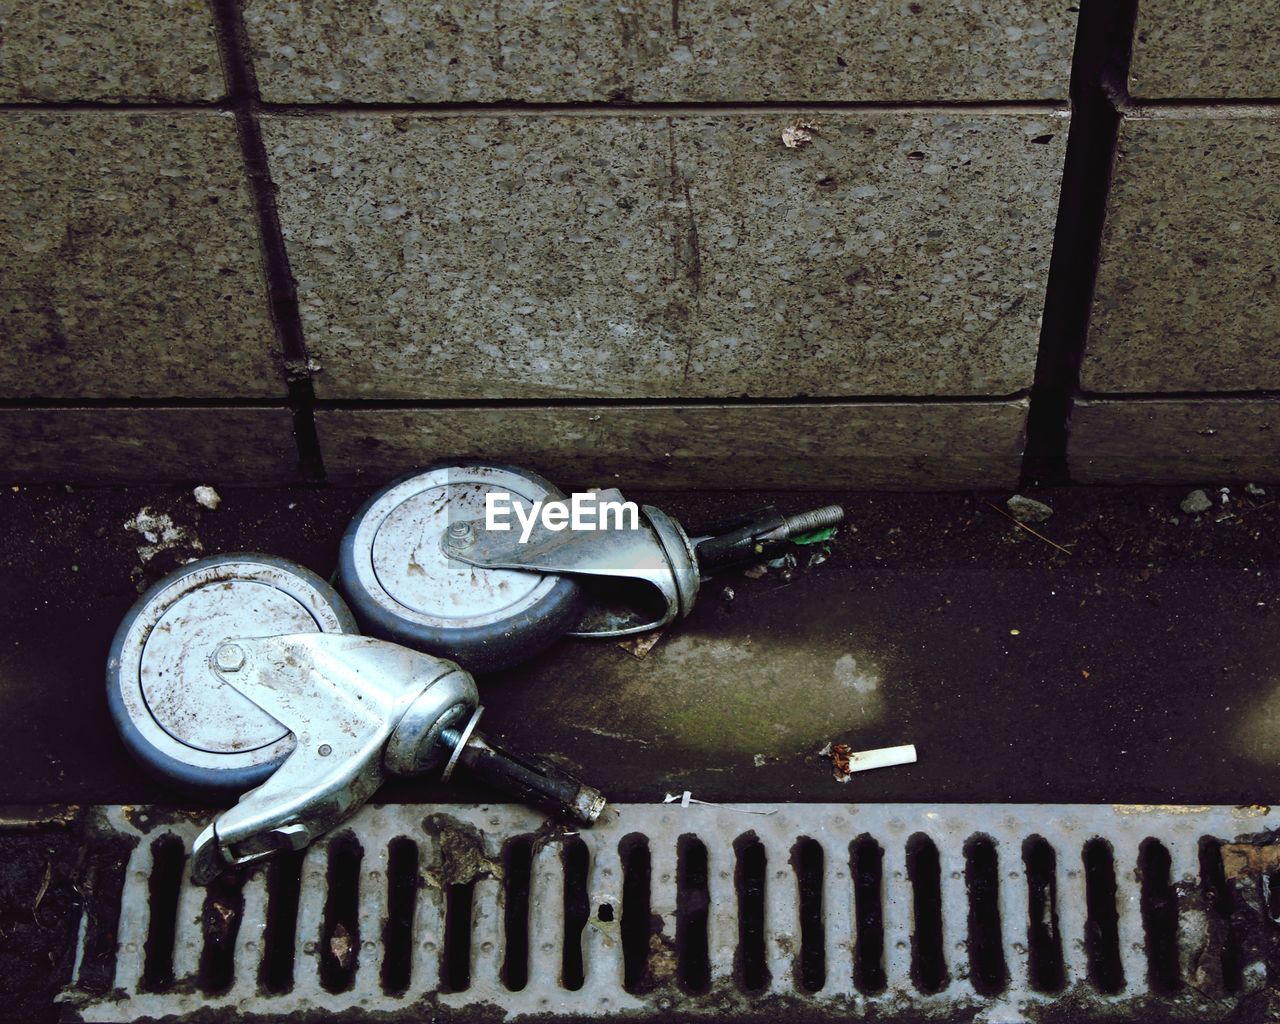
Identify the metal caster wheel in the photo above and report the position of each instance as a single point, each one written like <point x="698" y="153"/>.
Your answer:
<point x="403" y="586"/>
<point x="244" y="672"/>
<point x="176" y="716"/>
<point x="421" y="566"/>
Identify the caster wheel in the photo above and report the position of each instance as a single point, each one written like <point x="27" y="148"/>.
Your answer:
<point x="403" y="587"/>
<point x="175" y="715"/>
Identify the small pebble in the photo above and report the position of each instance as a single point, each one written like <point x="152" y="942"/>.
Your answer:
<point x="1028" y="510"/>
<point x="207" y="497"/>
<point x="1195" y="503"/>
<point x="1254" y="491"/>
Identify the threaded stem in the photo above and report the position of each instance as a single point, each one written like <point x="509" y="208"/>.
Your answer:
<point x="817" y="519"/>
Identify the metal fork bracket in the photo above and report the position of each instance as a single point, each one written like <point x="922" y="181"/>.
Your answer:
<point x="346" y="699"/>
<point x="636" y="577"/>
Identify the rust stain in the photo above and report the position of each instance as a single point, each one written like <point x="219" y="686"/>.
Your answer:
<point x="145" y="819"/>
<point x="25" y="819"/>
<point x="1241" y="860"/>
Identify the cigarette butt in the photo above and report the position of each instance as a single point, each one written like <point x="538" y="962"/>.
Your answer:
<point x="884" y="757"/>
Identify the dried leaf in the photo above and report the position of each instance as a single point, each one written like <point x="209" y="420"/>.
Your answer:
<point x="640" y="645"/>
<point x="340" y="946"/>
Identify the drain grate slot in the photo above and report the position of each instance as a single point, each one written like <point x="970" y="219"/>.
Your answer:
<point x="220" y="920"/>
<point x="750" y="872"/>
<point x="1218" y="901"/>
<point x="103" y="886"/>
<point x="811" y="965"/>
<point x="879" y="911"/>
<point x="1044" y="940"/>
<point x="1159" y="916"/>
<point x="168" y="857"/>
<point x="577" y="911"/>
<point x="924" y="869"/>
<point x="866" y="862"/>
<point x="340" y="933"/>
<point x="402" y="905"/>
<point x="517" y="871"/>
<point x="636" y="924"/>
<point x="1102" y="927"/>
<point x="693" y="905"/>
<point x="456" y="961"/>
<point x="284" y="884"/>
<point x="987" y="971"/>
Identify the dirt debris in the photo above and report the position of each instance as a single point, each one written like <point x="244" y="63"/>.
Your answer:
<point x="463" y="858"/>
<point x="39" y="911"/>
<point x="341" y="946"/>
<point x="161" y="533"/>
<point x="207" y="497"/>
<point x="1196" y="502"/>
<point x="166" y="545"/>
<point x="799" y="134"/>
<point x="1028" y="510"/>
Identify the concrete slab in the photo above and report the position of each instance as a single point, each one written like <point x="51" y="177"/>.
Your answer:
<point x="1182" y="440"/>
<point x="931" y="446"/>
<point x="899" y="253"/>
<point x="129" y="259"/>
<point x="385" y="51"/>
<point x="1142" y="668"/>
<point x="108" y="50"/>
<point x="119" y="445"/>
<point x="1204" y="49"/>
<point x="1186" y="298"/>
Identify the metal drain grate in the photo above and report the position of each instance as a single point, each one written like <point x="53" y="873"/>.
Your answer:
<point x="895" y="910"/>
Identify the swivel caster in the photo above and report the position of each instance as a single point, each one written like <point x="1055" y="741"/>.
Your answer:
<point x="420" y="566"/>
<point x="245" y="672"/>
<point x="405" y="587"/>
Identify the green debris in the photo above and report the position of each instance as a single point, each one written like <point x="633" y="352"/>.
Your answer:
<point x="815" y="536"/>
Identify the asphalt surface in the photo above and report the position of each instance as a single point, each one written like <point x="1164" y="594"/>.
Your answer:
<point x="1141" y="667"/>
